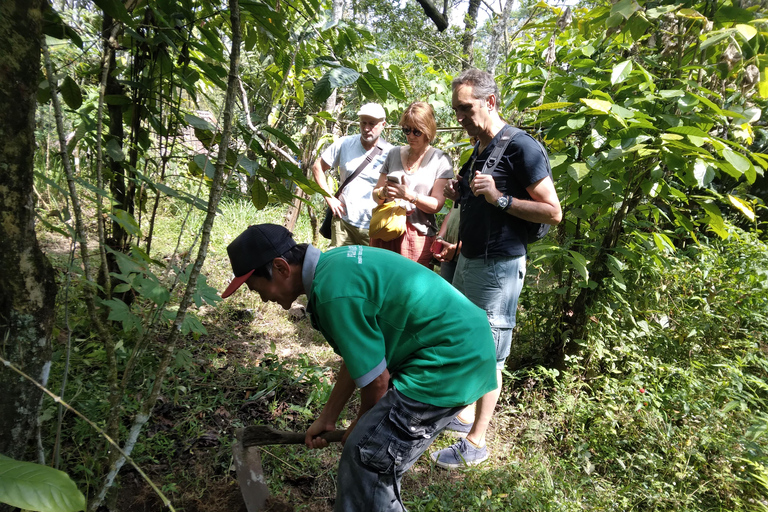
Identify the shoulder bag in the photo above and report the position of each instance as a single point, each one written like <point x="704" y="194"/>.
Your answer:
<point x="325" y="228"/>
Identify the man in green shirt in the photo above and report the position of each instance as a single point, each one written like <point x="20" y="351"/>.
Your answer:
<point x="418" y="350"/>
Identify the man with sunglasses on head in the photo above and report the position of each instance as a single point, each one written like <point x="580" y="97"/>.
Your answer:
<point x="352" y="209"/>
<point x="493" y="236"/>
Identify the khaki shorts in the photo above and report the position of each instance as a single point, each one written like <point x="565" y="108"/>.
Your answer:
<point x="344" y="233"/>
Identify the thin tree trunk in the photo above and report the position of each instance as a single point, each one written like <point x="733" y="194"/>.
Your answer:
<point x="468" y="40"/>
<point x="497" y="49"/>
<point x="213" y="202"/>
<point x="27" y="284"/>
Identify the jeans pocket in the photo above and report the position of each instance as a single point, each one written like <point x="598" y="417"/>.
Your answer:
<point x="392" y="441"/>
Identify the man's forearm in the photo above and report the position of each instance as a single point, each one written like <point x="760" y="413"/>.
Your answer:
<point x="372" y="393"/>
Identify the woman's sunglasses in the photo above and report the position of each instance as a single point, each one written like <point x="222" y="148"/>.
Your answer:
<point x="415" y="132"/>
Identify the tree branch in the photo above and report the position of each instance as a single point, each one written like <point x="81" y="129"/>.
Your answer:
<point x="432" y="13"/>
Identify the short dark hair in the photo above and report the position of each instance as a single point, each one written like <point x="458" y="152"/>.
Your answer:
<point x="293" y="256"/>
<point x="482" y="83"/>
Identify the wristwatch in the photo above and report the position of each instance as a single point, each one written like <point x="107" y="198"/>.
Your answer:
<point x="503" y="202"/>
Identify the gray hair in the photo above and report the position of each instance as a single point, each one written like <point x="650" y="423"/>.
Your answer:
<point x="482" y="83"/>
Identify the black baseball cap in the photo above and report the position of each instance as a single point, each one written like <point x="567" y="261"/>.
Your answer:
<point x="254" y="247"/>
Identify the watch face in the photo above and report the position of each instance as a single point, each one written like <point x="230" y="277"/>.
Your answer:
<point x="502" y="202"/>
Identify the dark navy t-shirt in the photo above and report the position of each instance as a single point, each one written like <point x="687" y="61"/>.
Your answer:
<point x="484" y="229"/>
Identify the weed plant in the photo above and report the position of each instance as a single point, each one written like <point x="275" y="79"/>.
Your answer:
<point x="663" y="407"/>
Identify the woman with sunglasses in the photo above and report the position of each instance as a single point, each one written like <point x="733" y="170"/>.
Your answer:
<point x="415" y="175"/>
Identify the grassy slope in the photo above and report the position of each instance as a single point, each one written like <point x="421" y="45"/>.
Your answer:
<point x="652" y="419"/>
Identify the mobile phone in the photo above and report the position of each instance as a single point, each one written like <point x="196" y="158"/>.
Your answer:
<point x="393" y="179"/>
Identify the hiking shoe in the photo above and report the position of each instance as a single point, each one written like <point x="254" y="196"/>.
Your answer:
<point x="459" y="455"/>
<point x="458" y="428"/>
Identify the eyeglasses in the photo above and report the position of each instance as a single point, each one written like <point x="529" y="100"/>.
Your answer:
<point x="415" y="132"/>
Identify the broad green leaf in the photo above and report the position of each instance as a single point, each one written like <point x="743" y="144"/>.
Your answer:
<point x="671" y="93"/>
<point x="115" y="151"/>
<point x="737" y="160"/>
<point x="715" y="220"/>
<point x="114" y="8"/>
<point x="552" y="106"/>
<point x="691" y="14"/>
<point x="625" y="8"/>
<point x="31" y="486"/>
<point x="716" y="37"/>
<point x="744" y="207"/>
<point x="199" y="123"/>
<point x="578" y="171"/>
<point x="601" y="105"/>
<point x="555" y="160"/>
<point x="201" y="164"/>
<point x="663" y="243"/>
<point x="621" y="71"/>
<point x="600" y="182"/>
<point x="748" y="31"/>
<point x="192" y="324"/>
<point x="703" y="173"/>
<point x="283" y="137"/>
<point x="576" y="122"/>
<point x="623" y="113"/>
<point x="126" y="221"/>
<point x="333" y="79"/>
<point x="120" y="312"/>
<point x="70" y="91"/>
<point x="580" y="264"/>
<point x="259" y="195"/>
<point x="762" y="86"/>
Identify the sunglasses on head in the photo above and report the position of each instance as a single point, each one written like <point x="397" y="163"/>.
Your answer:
<point x="415" y="132"/>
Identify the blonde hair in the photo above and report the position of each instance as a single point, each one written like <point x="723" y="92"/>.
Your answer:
<point x="421" y="116"/>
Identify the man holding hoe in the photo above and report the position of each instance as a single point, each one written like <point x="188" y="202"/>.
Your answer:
<point x="385" y="315"/>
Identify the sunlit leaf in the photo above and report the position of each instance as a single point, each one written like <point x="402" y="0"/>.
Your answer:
<point x="333" y="79"/>
<point x="625" y="8"/>
<point x="737" y="160"/>
<point x="601" y="105"/>
<point x="578" y="171"/>
<point x="748" y="31"/>
<point x="126" y="221"/>
<point x="579" y="262"/>
<point x="715" y="220"/>
<point x="744" y="207"/>
<point x="762" y="86"/>
<point x="621" y="71"/>
<point x="552" y="106"/>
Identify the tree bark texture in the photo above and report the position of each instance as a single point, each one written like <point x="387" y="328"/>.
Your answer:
<point x="497" y="49"/>
<point x="468" y="40"/>
<point x="27" y="284"/>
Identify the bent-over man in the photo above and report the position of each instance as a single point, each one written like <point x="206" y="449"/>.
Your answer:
<point x="416" y="365"/>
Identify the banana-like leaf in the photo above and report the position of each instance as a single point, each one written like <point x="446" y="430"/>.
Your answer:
<point x="39" y="488"/>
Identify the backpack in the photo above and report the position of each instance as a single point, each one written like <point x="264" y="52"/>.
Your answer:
<point x="535" y="230"/>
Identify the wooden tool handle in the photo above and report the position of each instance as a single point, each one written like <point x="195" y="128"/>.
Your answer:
<point x="261" y="435"/>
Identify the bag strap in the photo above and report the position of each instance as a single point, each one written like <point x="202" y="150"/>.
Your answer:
<point x="508" y="133"/>
<point x="373" y="154"/>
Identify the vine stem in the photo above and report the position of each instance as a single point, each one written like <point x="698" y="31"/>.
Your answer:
<point x="95" y="427"/>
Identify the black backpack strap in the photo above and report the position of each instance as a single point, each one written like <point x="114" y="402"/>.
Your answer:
<point x="508" y="133"/>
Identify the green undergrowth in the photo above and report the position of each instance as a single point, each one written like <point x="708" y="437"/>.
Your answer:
<point x="662" y="407"/>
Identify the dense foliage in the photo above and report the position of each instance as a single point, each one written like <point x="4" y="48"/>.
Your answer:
<point x="639" y="378"/>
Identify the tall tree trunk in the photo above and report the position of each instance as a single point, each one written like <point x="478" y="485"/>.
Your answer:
<point x="27" y="284"/>
<point x="497" y="48"/>
<point x="468" y="40"/>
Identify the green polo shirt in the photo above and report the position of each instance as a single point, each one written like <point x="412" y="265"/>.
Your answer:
<point x="380" y="310"/>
